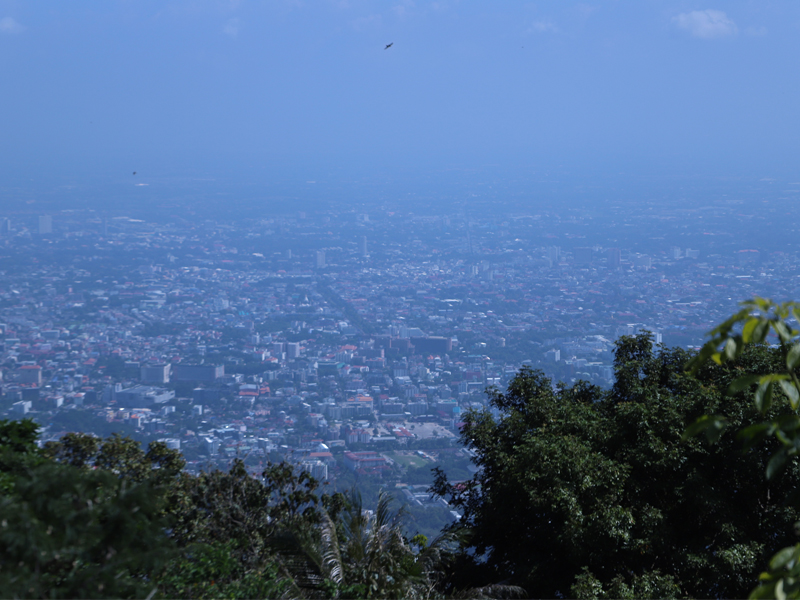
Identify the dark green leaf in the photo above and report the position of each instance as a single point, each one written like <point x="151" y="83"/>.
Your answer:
<point x="763" y="396"/>
<point x="776" y="463"/>
<point x="743" y="382"/>
<point x="705" y="424"/>
<point x="754" y="434"/>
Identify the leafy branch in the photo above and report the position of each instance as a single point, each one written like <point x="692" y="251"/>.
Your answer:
<point x="758" y="319"/>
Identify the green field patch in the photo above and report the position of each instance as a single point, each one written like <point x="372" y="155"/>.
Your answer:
<point x="407" y="460"/>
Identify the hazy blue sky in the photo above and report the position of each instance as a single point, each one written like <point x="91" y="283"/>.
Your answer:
<point x="304" y="90"/>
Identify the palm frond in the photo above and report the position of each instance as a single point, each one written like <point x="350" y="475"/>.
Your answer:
<point x="331" y="555"/>
<point x="497" y="590"/>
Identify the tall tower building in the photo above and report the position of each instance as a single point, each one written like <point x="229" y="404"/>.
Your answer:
<point x="45" y="224"/>
<point x="363" y="247"/>
<point x="320" y="259"/>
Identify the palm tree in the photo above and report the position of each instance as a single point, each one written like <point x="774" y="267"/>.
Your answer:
<point x="363" y="553"/>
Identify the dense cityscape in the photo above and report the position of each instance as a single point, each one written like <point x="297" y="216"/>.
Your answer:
<point x="349" y="345"/>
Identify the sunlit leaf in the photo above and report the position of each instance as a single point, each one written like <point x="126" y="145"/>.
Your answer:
<point x="762" y="303"/>
<point x="730" y="349"/>
<point x="760" y="331"/>
<point x="793" y="357"/>
<point x="763" y="592"/>
<point x="783" y="557"/>
<point x="782" y="331"/>
<point x="790" y="390"/>
<point x="749" y="327"/>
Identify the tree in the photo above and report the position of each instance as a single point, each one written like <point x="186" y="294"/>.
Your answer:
<point x="753" y="325"/>
<point x="365" y="554"/>
<point x="120" y="455"/>
<point x="72" y="532"/>
<point x="591" y="493"/>
<point x="215" y="571"/>
<point x="85" y="517"/>
<point x="18" y="451"/>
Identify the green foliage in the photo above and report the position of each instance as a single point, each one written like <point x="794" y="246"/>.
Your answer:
<point x="364" y="554"/>
<point x="72" y="533"/>
<point x="647" y="585"/>
<point x="210" y="571"/>
<point x="753" y="324"/>
<point x="68" y="530"/>
<point x="234" y="507"/>
<point x="18" y="450"/>
<point x="18" y="436"/>
<point x="593" y="493"/>
<point x="120" y="455"/>
<point x="86" y="517"/>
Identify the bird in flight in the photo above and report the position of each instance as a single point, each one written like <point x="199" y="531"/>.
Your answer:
<point x="389" y="46"/>
<point x="134" y="172"/>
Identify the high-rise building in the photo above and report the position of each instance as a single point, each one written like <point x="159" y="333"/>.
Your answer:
<point x="363" y="247"/>
<point x="433" y="345"/>
<point x="293" y="350"/>
<point x="554" y="254"/>
<point x="45" y="224"/>
<point x="5" y="226"/>
<point x="30" y="374"/>
<point x="155" y="373"/>
<point x="22" y="407"/>
<point x="553" y="355"/>
<point x="208" y="373"/>
<point x="143" y="396"/>
<point x="320" y="259"/>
